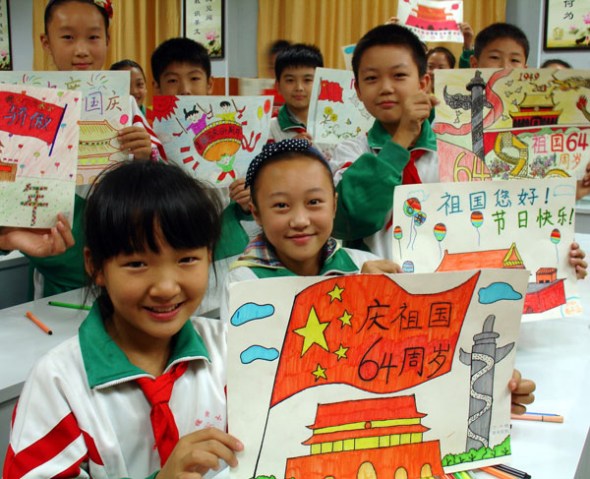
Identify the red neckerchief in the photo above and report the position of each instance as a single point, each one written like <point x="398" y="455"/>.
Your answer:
<point x="157" y="392"/>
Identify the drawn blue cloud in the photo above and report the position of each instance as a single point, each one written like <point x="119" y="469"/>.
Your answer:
<point x="256" y="352"/>
<point x="498" y="292"/>
<point x="251" y="312"/>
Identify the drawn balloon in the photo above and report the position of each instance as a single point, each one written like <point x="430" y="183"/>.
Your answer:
<point x="555" y="238"/>
<point x="440" y="231"/>
<point x="398" y="235"/>
<point x="477" y="221"/>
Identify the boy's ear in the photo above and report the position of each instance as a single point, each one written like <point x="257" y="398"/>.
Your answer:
<point x="156" y="86"/>
<point x="210" y="86"/>
<point x="45" y="43"/>
<point x="335" y="203"/>
<point x="425" y="82"/>
<point x="97" y="276"/>
<point x="356" y="88"/>
<point x="473" y="61"/>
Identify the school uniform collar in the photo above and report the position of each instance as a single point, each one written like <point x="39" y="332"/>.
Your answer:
<point x="288" y="121"/>
<point x="260" y="256"/>
<point x="377" y="136"/>
<point x="106" y="364"/>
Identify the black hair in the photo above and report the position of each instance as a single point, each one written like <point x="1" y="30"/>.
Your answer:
<point x="298" y="55"/>
<point x="390" y="34"/>
<point x="179" y="50"/>
<point x="126" y="64"/>
<point x="132" y="202"/>
<point x="53" y="4"/>
<point x="278" y="46"/>
<point x="283" y="150"/>
<point x="451" y="60"/>
<point x="555" y="61"/>
<point x="497" y="31"/>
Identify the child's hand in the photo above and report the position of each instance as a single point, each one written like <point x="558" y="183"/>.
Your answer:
<point x="240" y="195"/>
<point x="415" y="109"/>
<point x="522" y="392"/>
<point x="577" y="256"/>
<point x="583" y="185"/>
<point x="136" y="140"/>
<point x="38" y="242"/>
<point x="380" y="266"/>
<point x="200" y="451"/>
<point x="468" y="35"/>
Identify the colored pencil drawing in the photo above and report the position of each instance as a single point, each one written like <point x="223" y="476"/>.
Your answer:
<point x="370" y="375"/>
<point x="38" y="154"/>
<point x="432" y="21"/>
<point x="214" y="138"/>
<point x="105" y="109"/>
<point x="518" y="225"/>
<point x="512" y="124"/>
<point x="335" y="112"/>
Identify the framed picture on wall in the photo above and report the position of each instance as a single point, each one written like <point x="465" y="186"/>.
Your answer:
<point x="567" y="24"/>
<point x="203" y="22"/>
<point x="5" y="49"/>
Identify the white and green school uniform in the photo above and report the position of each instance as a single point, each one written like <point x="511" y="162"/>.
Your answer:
<point x="82" y="413"/>
<point x="260" y="261"/>
<point x="285" y="126"/>
<point x="366" y="172"/>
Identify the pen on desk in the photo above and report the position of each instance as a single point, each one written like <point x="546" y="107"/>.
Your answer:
<point x="38" y="322"/>
<point x="69" y="305"/>
<point x="497" y="473"/>
<point x="531" y="416"/>
<point x="511" y="470"/>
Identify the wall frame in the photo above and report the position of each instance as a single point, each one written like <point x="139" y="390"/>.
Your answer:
<point x="5" y="45"/>
<point x="567" y="25"/>
<point x="203" y="22"/>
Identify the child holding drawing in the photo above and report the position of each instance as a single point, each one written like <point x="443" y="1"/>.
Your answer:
<point x="141" y="390"/>
<point x="76" y="36"/>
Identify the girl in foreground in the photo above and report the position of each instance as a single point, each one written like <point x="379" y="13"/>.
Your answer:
<point x="140" y="391"/>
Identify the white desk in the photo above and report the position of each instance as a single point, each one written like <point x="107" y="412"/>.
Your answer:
<point x="556" y="355"/>
<point x="22" y="343"/>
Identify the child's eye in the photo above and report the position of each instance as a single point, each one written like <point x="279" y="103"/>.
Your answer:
<point x="188" y="260"/>
<point x="195" y="78"/>
<point x="316" y="201"/>
<point x="66" y="37"/>
<point x="171" y="81"/>
<point x="95" y="37"/>
<point x="370" y="78"/>
<point x="280" y="205"/>
<point x="134" y="264"/>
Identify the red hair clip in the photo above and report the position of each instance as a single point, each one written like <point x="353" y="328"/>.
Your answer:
<point x="106" y="5"/>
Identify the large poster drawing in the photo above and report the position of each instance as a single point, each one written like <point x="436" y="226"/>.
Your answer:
<point x="432" y="20"/>
<point x="213" y="138"/>
<point x="527" y="224"/>
<point x="105" y="110"/>
<point x="372" y="374"/>
<point x="38" y="154"/>
<point x="504" y="124"/>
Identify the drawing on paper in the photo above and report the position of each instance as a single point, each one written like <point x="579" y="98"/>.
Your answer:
<point x="38" y="150"/>
<point x="213" y="138"/>
<point x="484" y="225"/>
<point x="432" y="21"/>
<point x="105" y="109"/>
<point x="512" y="124"/>
<point x="335" y="112"/>
<point x="345" y="380"/>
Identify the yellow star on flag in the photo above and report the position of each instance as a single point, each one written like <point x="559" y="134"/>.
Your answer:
<point x="319" y="372"/>
<point x="345" y="318"/>
<point x="313" y="332"/>
<point x="336" y="293"/>
<point x="341" y="352"/>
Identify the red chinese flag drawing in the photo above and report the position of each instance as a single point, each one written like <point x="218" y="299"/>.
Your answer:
<point x="25" y="115"/>
<point x="368" y="332"/>
<point x="330" y="91"/>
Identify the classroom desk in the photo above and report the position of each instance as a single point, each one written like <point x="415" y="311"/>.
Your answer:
<point x="22" y="343"/>
<point x="556" y="355"/>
